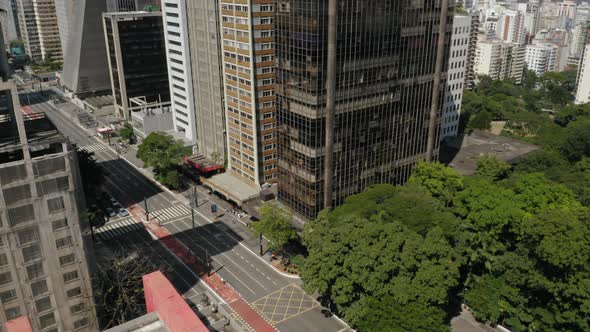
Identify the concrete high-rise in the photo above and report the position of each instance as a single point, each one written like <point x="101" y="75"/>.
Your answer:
<point x="8" y="21"/>
<point x="85" y="69"/>
<point x="192" y="32"/>
<point x="359" y="94"/>
<point x="499" y="60"/>
<point x="541" y="58"/>
<point x="248" y="63"/>
<point x="583" y="79"/>
<point x="137" y="58"/>
<point x="43" y="241"/>
<point x="456" y="76"/>
<point x="39" y="29"/>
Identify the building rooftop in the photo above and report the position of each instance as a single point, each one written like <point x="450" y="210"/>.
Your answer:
<point x="146" y="323"/>
<point x="462" y="153"/>
<point x="139" y="13"/>
<point x="38" y="127"/>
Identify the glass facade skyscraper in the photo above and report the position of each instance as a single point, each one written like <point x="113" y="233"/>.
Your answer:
<point x="389" y="71"/>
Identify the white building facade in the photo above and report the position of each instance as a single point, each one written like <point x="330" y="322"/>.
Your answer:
<point x="499" y="60"/>
<point x="179" y="71"/>
<point x="456" y="76"/>
<point x="583" y="79"/>
<point x="542" y="58"/>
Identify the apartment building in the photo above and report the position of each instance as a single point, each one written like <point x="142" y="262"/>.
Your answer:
<point x="193" y="51"/>
<point x="39" y="29"/>
<point x="247" y="41"/>
<point x="358" y="104"/>
<point x="511" y="27"/>
<point x="137" y="58"/>
<point x="499" y="60"/>
<point x="43" y="242"/>
<point x="456" y="76"/>
<point x="583" y="78"/>
<point x="542" y="58"/>
<point x="470" y="76"/>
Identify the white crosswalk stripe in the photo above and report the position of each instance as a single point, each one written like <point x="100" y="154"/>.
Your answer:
<point x="173" y="212"/>
<point x="117" y="229"/>
<point x="94" y="147"/>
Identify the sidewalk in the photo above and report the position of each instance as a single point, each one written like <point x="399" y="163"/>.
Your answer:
<point x="250" y="316"/>
<point x="236" y="227"/>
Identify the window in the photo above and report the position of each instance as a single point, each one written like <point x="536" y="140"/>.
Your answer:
<point x="12" y="313"/>
<point x="8" y="296"/>
<point x="63" y="242"/>
<point x="55" y="204"/>
<point x="47" y="320"/>
<point x="67" y="259"/>
<point x="3" y="259"/>
<point x="21" y="214"/>
<point x="27" y="235"/>
<point x="31" y="253"/>
<point x="70" y="276"/>
<point x="73" y="292"/>
<point x="77" y="308"/>
<point x="39" y="287"/>
<point x="43" y="304"/>
<point x="59" y="224"/>
<point x="15" y="194"/>
<point x="35" y="271"/>
<point x="5" y="278"/>
<point x="53" y="185"/>
<point x="81" y="323"/>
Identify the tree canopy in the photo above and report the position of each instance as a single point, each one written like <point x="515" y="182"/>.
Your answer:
<point x="163" y="153"/>
<point x="275" y="224"/>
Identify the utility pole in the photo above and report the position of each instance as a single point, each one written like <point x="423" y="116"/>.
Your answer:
<point x="260" y="243"/>
<point x="147" y="212"/>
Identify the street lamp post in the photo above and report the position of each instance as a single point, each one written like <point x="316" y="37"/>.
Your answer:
<point x="147" y="212"/>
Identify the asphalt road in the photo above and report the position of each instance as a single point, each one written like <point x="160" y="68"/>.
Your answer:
<point x="278" y="297"/>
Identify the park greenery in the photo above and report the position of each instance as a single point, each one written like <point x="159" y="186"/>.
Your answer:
<point x="126" y="132"/>
<point x="163" y="153"/>
<point x="512" y="242"/>
<point x="275" y="225"/>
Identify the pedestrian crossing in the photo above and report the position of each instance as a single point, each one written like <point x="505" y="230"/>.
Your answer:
<point x="94" y="147"/>
<point x="173" y="212"/>
<point x="117" y="229"/>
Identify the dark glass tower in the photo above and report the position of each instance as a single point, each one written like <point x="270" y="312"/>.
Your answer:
<point x="362" y="107"/>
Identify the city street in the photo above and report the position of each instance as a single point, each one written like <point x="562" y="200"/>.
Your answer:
<point x="277" y="296"/>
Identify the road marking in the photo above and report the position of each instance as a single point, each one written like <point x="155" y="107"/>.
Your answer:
<point x="117" y="229"/>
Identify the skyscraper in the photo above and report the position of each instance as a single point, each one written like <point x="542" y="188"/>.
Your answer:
<point x="85" y="69"/>
<point x="359" y="94"/>
<point x="249" y="87"/>
<point x="43" y="242"/>
<point x="456" y="76"/>
<point x="193" y="52"/>
<point x="137" y="58"/>
<point x="39" y="29"/>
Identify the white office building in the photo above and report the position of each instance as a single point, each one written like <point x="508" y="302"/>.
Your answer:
<point x="542" y="58"/>
<point x="456" y="76"/>
<point x="179" y="71"/>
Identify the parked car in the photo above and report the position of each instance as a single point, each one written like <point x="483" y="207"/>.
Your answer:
<point x="110" y="212"/>
<point x="123" y="212"/>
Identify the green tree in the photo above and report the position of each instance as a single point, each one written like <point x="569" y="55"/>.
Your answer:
<point x="127" y="132"/>
<point x="386" y="314"/>
<point x="577" y="142"/>
<point x="441" y="181"/>
<point x="275" y="224"/>
<point x="490" y="167"/>
<point x="163" y="153"/>
<point x="353" y="258"/>
<point x="482" y="120"/>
